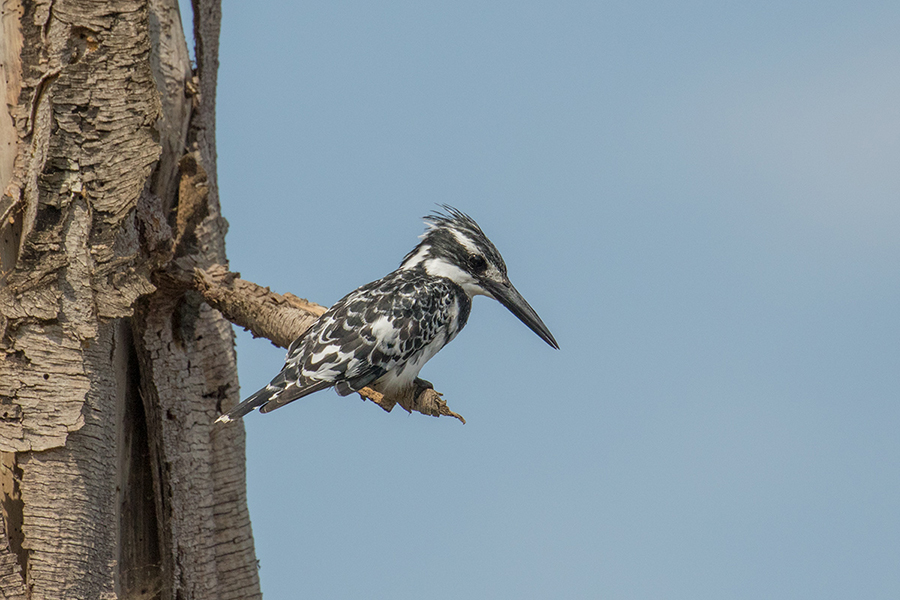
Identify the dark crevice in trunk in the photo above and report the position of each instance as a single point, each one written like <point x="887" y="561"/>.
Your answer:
<point x="140" y="555"/>
<point x="13" y="508"/>
<point x="157" y="461"/>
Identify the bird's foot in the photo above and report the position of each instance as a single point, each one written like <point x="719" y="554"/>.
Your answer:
<point x="420" y="397"/>
<point x="428" y="401"/>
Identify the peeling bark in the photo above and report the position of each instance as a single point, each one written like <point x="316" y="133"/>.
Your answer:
<point x="113" y="482"/>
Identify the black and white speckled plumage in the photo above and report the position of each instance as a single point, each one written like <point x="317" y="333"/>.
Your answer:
<point x="381" y="334"/>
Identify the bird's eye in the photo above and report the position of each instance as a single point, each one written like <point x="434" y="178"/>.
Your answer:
<point x="477" y="263"/>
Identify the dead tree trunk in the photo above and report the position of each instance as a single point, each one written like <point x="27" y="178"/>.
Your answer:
<point x="114" y="482"/>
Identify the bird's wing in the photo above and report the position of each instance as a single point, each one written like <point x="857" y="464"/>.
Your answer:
<point x="373" y="330"/>
<point x="346" y="387"/>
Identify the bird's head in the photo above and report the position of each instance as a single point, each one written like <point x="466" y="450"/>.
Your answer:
<point x="455" y="247"/>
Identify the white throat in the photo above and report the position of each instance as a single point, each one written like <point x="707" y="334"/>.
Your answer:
<point x="438" y="267"/>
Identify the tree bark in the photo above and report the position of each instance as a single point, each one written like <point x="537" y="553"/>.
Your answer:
<point x="114" y="482"/>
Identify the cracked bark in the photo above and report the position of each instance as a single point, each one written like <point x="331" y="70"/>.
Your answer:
<point x="113" y="482"/>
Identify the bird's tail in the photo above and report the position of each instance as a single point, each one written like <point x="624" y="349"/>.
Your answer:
<point x="250" y="404"/>
<point x="279" y="392"/>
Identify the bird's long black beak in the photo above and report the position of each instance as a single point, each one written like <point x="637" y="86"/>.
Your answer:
<point x="509" y="296"/>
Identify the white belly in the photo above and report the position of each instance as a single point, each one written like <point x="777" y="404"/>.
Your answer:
<point x="401" y="377"/>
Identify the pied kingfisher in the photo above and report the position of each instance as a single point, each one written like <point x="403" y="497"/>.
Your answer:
<point x="381" y="334"/>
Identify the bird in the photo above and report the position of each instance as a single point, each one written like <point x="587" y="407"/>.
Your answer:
<point x="381" y="334"/>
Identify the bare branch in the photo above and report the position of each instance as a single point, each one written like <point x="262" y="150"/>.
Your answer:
<point x="261" y="311"/>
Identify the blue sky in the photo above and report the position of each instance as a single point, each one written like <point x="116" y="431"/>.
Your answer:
<point x="701" y="200"/>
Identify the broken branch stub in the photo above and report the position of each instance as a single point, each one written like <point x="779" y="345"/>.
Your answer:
<point x="283" y="318"/>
